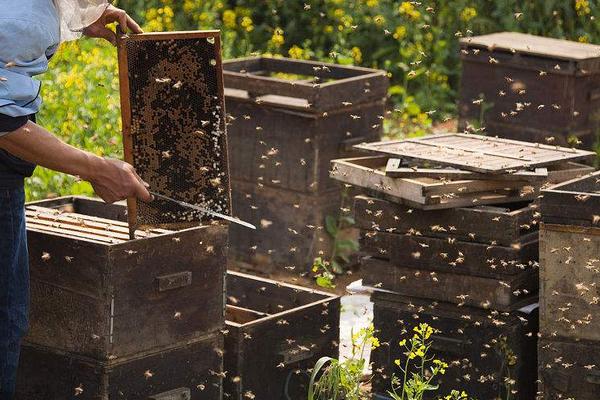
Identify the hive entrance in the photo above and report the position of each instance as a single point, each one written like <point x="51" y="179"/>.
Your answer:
<point x="173" y="124"/>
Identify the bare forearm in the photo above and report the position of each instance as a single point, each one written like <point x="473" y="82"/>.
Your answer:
<point x="35" y="144"/>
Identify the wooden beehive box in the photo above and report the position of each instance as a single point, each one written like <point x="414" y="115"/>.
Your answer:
<point x="489" y="354"/>
<point x="192" y="371"/>
<point x="275" y="334"/>
<point x="96" y="293"/>
<point x="173" y="112"/>
<point x="289" y="232"/>
<point x="569" y="369"/>
<point x="291" y="117"/>
<point x="530" y="87"/>
<point x="504" y="294"/>
<point x="504" y="225"/>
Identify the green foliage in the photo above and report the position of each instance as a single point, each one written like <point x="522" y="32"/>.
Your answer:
<point x="342" y="380"/>
<point x="419" y="369"/>
<point x="417" y="42"/>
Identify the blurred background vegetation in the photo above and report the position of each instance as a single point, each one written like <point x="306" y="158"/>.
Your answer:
<point x="417" y="42"/>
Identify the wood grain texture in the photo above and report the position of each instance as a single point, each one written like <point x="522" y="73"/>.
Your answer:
<point x="289" y="328"/>
<point x="569" y="271"/>
<point x="568" y="369"/>
<point x="500" y="294"/>
<point x="576" y="200"/>
<point x="474" y="347"/>
<point x="504" y="225"/>
<point x="194" y="368"/>
<point x="104" y="300"/>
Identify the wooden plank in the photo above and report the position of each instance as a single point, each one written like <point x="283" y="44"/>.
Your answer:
<point x="577" y="199"/>
<point x="394" y="169"/>
<point x="569" y="270"/>
<point x="174" y="123"/>
<point x="422" y="192"/>
<point x="502" y="295"/>
<point x="432" y="148"/>
<point x="482" y="224"/>
<point x="540" y="46"/>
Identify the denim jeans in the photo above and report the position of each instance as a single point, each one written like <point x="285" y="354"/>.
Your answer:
<point x="14" y="286"/>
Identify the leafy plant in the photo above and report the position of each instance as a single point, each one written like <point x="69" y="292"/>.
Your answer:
<point x="343" y="380"/>
<point x="419" y="370"/>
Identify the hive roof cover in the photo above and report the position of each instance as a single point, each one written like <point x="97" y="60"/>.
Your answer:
<point x="534" y="45"/>
<point x="476" y="152"/>
<point x="173" y="114"/>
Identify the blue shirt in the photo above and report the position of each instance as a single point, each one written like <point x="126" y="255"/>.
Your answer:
<point x="29" y="35"/>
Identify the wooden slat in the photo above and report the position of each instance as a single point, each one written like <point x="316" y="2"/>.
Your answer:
<point x="496" y="157"/>
<point x="70" y="233"/>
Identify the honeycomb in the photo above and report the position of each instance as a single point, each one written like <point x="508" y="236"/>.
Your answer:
<point x="179" y="141"/>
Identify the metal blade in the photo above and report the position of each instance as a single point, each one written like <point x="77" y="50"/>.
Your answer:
<point x="204" y="210"/>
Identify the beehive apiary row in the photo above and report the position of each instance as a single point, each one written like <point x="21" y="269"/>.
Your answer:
<point x="287" y="120"/>
<point x="449" y="229"/>
<point x="150" y="318"/>
<point x="569" y="351"/>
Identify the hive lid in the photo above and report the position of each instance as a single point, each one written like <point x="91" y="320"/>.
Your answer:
<point x="477" y="153"/>
<point x="173" y="112"/>
<point x="534" y="45"/>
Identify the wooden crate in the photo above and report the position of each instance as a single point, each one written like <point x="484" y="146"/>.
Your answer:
<point x="290" y="227"/>
<point x="275" y="333"/>
<point x="426" y="193"/>
<point x="569" y="369"/>
<point x="192" y="371"/>
<point x="476" y="291"/>
<point x="98" y="294"/>
<point x="569" y="274"/>
<point x="502" y="224"/>
<point x="508" y="68"/>
<point x="575" y="202"/>
<point x="289" y="118"/>
<point x="477" y="345"/>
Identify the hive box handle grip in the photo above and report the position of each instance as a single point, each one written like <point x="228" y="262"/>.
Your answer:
<point x="174" y="281"/>
<point x="446" y="344"/>
<point x="182" y="393"/>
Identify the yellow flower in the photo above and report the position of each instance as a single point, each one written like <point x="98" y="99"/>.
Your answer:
<point x="397" y="362"/>
<point x="582" y="7"/>
<point x="357" y="55"/>
<point x="328" y="28"/>
<point x="277" y="39"/>
<point x="402" y="342"/>
<point x="372" y="3"/>
<point x="468" y="13"/>
<point x="375" y="343"/>
<point x="400" y="32"/>
<point x="229" y="18"/>
<point x="379" y="20"/>
<point x="338" y="13"/>
<point x="406" y="8"/>
<point x="583" y="39"/>
<point x="247" y="24"/>
<point x="296" y="52"/>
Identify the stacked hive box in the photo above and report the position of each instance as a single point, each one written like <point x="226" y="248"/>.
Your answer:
<point x="117" y="318"/>
<point x="288" y="119"/>
<point x="569" y="351"/>
<point x="471" y="273"/>
<point x="531" y="88"/>
<point x="275" y="334"/>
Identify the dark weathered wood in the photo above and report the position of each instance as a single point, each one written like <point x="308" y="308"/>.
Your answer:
<point x="193" y="369"/>
<point x="475" y="347"/>
<point x="569" y="268"/>
<point x="500" y="294"/>
<point x="285" y="329"/>
<point x="329" y="84"/>
<point x="173" y="115"/>
<point x="104" y="300"/>
<point x="290" y="226"/>
<point x="287" y="149"/>
<point x="576" y="200"/>
<point x="450" y="255"/>
<point x="558" y="101"/>
<point x="568" y="369"/>
<point x="504" y="225"/>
